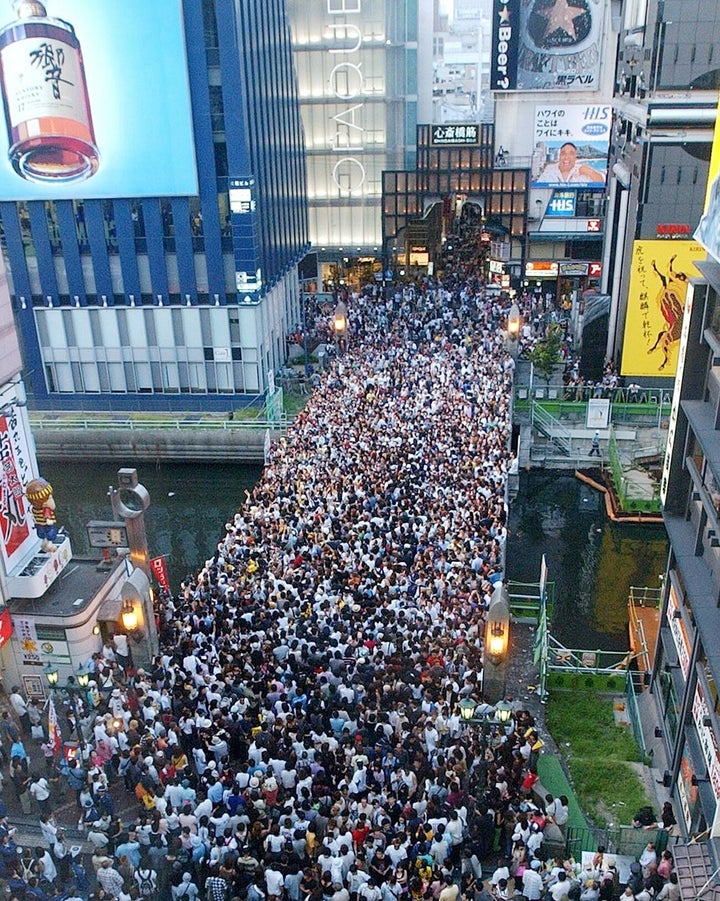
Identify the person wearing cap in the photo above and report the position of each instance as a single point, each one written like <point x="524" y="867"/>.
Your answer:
<point x="186" y="889"/>
<point x="532" y="882"/>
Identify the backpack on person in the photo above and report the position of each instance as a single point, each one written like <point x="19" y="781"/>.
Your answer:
<point x="146" y="883"/>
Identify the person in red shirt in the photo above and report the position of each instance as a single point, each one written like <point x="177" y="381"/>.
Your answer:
<point x="360" y="833"/>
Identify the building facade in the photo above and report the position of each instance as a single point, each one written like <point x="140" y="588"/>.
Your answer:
<point x="686" y="671"/>
<point x="127" y="296"/>
<point x="665" y="99"/>
<point x="357" y="65"/>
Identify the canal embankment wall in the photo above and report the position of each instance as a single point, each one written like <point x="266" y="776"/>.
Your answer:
<point x="205" y="440"/>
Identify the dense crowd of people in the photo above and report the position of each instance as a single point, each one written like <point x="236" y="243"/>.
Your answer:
<point x="299" y="738"/>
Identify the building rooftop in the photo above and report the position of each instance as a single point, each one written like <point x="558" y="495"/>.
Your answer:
<point x="71" y="592"/>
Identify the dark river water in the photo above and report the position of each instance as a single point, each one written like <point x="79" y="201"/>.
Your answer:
<point x="189" y="505"/>
<point x="592" y="562"/>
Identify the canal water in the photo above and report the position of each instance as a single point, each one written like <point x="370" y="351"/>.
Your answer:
<point x="189" y="505"/>
<point x="592" y="562"/>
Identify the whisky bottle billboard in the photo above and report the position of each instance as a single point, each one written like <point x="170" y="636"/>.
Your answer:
<point x="51" y="139"/>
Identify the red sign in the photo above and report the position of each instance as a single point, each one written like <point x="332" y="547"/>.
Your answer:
<point x="13" y="523"/>
<point x="6" y="626"/>
<point x="595" y="270"/>
<point x="159" y="567"/>
<point x="673" y="230"/>
<point x="594" y="225"/>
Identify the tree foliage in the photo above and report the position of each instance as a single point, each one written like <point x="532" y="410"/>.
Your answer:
<point x="546" y="353"/>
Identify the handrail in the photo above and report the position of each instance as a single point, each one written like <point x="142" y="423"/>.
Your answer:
<point x="66" y="422"/>
<point x="552" y="428"/>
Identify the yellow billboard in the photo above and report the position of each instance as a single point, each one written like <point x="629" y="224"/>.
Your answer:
<point x="708" y="231"/>
<point x="656" y="300"/>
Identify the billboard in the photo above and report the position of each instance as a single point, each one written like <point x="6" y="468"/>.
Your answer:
<point x="571" y="145"/>
<point x="17" y="534"/>
<point x="708" y="231"/>
<point x="655" y="307"/>
<point x="546" y="45"/>
<point x="92" y="107"/>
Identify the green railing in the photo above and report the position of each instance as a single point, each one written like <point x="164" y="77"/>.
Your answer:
<point x="619" y="840"/>
<point x="623" y="487"/>
<point x="525" y="601"/>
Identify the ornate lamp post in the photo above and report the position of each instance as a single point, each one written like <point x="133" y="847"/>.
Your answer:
<point x="497" y="645"/>
<point x="76" y="685"/>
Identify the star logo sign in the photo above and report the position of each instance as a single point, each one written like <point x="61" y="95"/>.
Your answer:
<point x="504" y="14"/>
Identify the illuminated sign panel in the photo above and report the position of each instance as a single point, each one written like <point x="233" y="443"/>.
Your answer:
<point x="91" y="110"/>
<point x="656" y="300"/>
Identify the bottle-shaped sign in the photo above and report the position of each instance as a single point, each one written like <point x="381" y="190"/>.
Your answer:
<point x="47" y="110"/>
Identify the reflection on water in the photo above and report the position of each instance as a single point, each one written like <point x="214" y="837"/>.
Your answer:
<point x="592" y="561"/>
<point x="189" y="504"/>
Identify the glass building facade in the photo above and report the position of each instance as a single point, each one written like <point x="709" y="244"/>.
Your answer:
<point x="356" y="63"/>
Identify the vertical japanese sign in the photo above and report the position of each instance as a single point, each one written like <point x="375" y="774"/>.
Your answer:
<point x="505" y="43"/>
<point x="655" y="305"/>
<point x="159" y="568"/>
<point x="15" y="530"/>
<point x="26" y="637"/>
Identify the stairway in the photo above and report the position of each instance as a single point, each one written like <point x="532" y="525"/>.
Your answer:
<point x="552" y="429"/>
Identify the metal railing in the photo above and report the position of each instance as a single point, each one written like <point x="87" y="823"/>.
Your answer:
<point x="40" y="421"/>
<point x="629" y="501"/>
<point x="552" y="428"/>
<point x="625" y="841"/>
<point x="525" y="600"/>
<point x="570" y="402"/>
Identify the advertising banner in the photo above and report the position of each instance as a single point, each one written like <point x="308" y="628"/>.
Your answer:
<point x="159" y="568"/>
<point x="708" y="232"/>
<point x="16" y="531"/>
<point x="560" y="45"/>
<point x="562" y="204"/>
<point x="655" y="307"/>
<point x="571" y="145"/>
<point x="505" y="45"/>
<point x="547" y="45"/>
<point x="91" y="107"/>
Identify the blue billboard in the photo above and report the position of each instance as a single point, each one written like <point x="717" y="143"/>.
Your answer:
<point x="96" y="101"/>
<point x="571" y="145"/>
<point x="562" y="204"/>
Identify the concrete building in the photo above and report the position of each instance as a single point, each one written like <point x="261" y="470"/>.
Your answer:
<point x="164" y="275"/>
<point x="665" y="99"/>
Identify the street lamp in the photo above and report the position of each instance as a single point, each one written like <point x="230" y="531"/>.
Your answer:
<point x="497" y="644"/>
<point x="496" y="638"/>
<point x="514" y="321"/>
<point x="76" y="685"/>
<point x="340" y="319"/>
<point x="467" y="709"/>
<point x="128" y="615"/>
<point x="503" y="712"/>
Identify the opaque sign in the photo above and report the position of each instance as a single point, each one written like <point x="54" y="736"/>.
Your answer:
<point x="541" y="269"/>
<point x="449" y="135"/>
<point x="562" y="204"/>
<point x="673" y="230"/>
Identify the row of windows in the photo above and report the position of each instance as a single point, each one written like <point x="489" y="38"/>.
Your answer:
<point x="152" y="378"/>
